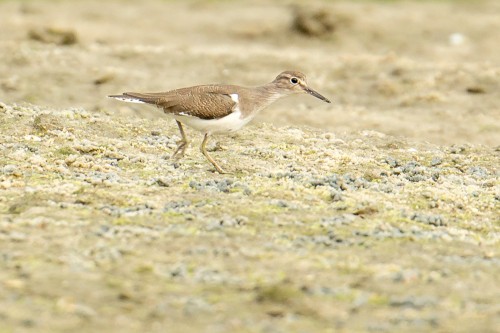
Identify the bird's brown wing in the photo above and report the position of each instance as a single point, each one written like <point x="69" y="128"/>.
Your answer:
<point x="205" y="102"/>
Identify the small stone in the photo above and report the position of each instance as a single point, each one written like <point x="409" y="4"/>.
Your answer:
<point x="397" y="171"/>
<point x="105" y="78"/>
<point x="70" y="159"/>
<point x="436" y="161"/>
<point x="114" y="155"/>
<point x="457" y="149"/>
<point x="476" y="90"/>
<point x="9" y="169"/>
<point x="435" y="176"/>
<point x="163" y="182"/>
<point x="195" y="185"/>
<point x="316" y="23"/>
<point x="393" y="163"/>
<point x="86" y="147"/>
<point x="53" y="35"/>
<point x="227" y="221"/>
<point x="336" y="196"/>
<point x="413" y="302"/>
<point x="435" y="220"/>
<point x="47" y="122"/>
<point x="176" y="205"/>
<point x="280" y="203"/>
<point x="478" y="172"/>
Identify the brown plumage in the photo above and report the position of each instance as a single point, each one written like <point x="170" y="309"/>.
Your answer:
<point x="220" y="108"/>
<point x="204" y="102"/>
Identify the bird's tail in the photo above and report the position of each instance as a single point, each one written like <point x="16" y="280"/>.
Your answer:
<point x="132" y="97"/>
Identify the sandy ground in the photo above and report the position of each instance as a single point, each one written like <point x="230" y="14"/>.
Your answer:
<point x="376" y="213"/>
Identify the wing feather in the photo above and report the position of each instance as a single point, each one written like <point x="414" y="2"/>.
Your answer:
<point x="205" y="102"/>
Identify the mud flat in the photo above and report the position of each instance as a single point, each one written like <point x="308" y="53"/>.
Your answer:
<point x="311" y="231"/>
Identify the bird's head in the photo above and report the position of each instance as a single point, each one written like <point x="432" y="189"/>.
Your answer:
<point x="292" y="82"/>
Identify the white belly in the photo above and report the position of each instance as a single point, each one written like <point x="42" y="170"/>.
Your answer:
<point x="229" y="123"/>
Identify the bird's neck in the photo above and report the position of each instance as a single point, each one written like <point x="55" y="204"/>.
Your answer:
<point x="253" y="100"/>
<point x="268" y="94"/>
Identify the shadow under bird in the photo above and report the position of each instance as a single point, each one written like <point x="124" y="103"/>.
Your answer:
<point x="217" y="108"/>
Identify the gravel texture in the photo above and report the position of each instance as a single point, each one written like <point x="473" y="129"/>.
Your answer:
<point x="361" y="235"/>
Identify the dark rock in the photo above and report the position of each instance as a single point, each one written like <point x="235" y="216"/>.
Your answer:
<point x="52" y="35"/>
<point x="316" y="22"/>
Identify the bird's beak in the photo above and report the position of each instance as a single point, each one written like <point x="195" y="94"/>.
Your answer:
<point x="316" y="94"/>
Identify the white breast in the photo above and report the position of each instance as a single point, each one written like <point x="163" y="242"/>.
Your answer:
<point x="229" y="123"/>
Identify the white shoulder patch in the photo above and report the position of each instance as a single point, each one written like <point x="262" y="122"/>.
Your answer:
<point x="235" y="98"/>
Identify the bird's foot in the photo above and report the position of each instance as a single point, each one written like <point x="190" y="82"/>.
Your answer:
<point x="219" y="169"/>
<point x="181" y="149"/>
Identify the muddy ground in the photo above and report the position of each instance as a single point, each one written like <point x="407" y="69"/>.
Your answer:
<point x="376" y="213"/>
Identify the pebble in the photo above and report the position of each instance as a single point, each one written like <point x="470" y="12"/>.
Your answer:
<point x="336" y="196"/>
<point x="226" y="221"/>
<point x="340" y="182"/>
<point x="176" y="205"/>
<point x="34" y="138"/>
<point x="456" y="149"/>
<point x="279" y="203"/>
<point x="9" y="169"/>
<point x="393" y="163"/>
<point x="413" y="302"/>
<point x="328" y="240"/>
<point x="226" y="185"/>
<point x="343" y="219"/>
<point x="478" y="172"/>
<point x="436" y="161"/>
<point x="127" y="211"/>
<point x="38" y="160"/>
<point x="86" y="147"/>
<point x="114" y="155"/>
<point x="406" y="276"/>
<point x="435" y="220"/>
<point x="163" y="181"/>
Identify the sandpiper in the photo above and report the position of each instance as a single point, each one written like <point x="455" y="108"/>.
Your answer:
<point x="216" y="108"/>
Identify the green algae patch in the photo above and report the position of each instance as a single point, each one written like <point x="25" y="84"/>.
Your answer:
<point x="281" y="293"/>
<point x="65" y="151"/>
<point x="350" y="227"/>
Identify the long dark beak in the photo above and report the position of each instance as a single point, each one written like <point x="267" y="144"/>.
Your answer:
<point x="316" y="94"/>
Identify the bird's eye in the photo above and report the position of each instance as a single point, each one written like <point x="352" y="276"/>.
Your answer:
<point x="294" y="80"/>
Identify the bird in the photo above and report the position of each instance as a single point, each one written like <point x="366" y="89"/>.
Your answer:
<point x="219" y="109"/>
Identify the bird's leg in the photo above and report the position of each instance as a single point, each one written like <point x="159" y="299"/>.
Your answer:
<point x="182" y="144"/>
<point x="209" y="158"/>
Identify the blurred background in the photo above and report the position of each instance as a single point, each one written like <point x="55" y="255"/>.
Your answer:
<point x="426" y="70"/>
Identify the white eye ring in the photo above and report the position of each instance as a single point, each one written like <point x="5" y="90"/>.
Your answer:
<point x="294" y="80"/>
